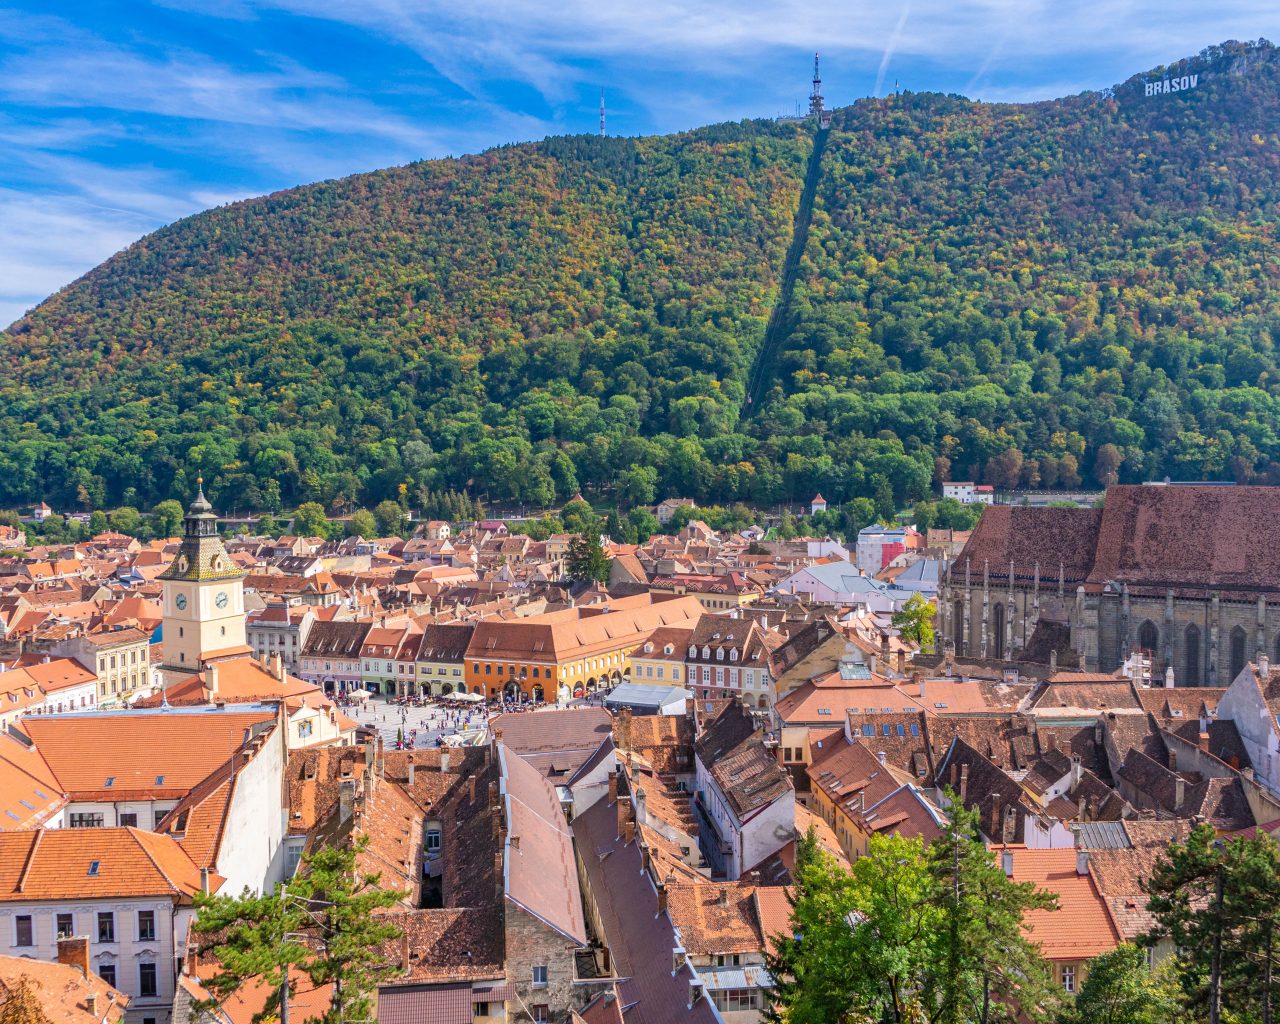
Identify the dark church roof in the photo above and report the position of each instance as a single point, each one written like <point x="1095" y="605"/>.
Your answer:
<point x="1151" y="538"/>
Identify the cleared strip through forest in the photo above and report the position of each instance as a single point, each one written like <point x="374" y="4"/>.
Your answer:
<point x="775" y="332"/>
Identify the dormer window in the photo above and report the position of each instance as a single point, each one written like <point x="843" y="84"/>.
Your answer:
<point x="668" y="649"/>
<point x="648" y="648"/>
<point x="719" y="654"/>
<point x="706" y="652"/>
<point x="733" y="654"/>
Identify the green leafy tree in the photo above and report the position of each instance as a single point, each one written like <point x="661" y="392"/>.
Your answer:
<point x="166" y="519"/>
<point x="882" y="493"/>
<point x="637" y="486"/>
<point x="586" y="561"/>
<point x="126" y="520"/>
<point x="390" y="518"/>
<point x="310" y="521"/>
<point x="915" y="621"/>
<point x="323" y="923"/>
<point x="578" y="517"/>
<point x="1121" y="989"/>
<point x="267" y="526"/>
<point x="362" y="524"/>
<point x="644" y="524"/>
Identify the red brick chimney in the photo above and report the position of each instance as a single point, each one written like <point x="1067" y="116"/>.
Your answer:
<point x="74" y="952"/>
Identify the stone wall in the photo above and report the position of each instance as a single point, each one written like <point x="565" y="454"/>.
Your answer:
<point x="530" y="943"/>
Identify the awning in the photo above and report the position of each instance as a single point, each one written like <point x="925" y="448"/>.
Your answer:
<point x="358" y="694"/>
<point x="473" y="698"/>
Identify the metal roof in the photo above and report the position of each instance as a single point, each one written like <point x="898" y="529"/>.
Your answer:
<point x="643" y="695"/>
<point x="1102" y="835"/>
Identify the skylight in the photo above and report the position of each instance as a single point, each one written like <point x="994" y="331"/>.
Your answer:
<point x="93" y="868"/>
<point x="159" y="780"/>
<point x="111" y="781"/>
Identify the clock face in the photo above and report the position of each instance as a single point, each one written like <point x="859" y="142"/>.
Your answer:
<point x="180" y="601"/>
<point x="221" y="599"/>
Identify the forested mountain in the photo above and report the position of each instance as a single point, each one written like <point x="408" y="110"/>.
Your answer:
<point x="1080" y="290"/>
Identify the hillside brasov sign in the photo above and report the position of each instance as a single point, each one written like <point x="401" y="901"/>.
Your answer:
<point x="1181" y="84"/>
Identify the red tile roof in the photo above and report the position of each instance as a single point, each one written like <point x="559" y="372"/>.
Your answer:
<point x="154" y="754"/>
<point x="1081" y="927"/>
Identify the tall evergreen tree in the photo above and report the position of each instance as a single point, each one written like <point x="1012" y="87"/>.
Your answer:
<point x="323" y="923"/>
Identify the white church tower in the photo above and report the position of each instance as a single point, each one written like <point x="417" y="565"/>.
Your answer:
<point x="204" y="618"/>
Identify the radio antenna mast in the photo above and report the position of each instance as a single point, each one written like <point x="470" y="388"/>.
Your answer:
<point x="602" y="113"/>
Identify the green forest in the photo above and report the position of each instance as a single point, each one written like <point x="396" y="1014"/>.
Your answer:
<point x="1059" y="294"/>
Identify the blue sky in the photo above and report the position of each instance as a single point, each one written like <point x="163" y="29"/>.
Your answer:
<point x="118" y="117"/>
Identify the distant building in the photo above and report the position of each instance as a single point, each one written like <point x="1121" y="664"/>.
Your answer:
<point x="880" y="545"/>
<point x="666" y="509"/>
<point x="969" y="493"/>
<point x="818" y="504"/>
<point x="41" y="512"/>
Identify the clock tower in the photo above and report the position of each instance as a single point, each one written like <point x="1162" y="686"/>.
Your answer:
<point x="204" y="617"/>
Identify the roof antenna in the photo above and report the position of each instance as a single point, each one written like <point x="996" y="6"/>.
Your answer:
<point x="602" y="113"/>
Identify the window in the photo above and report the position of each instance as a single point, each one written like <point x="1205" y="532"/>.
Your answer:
<point x="1191" y="647"/>
<point x="540" y="976"/>
<point x="540" y="1012"/>
<point x="146" y="979"/>
<point x="433" y="841"/>
<point x="86" y="819"/>
<point x="1069" y="979"/>
<point x="129" y="819"/>
<point x="22" y="931"/>
<point x="106" y="926"/>
<point x="159" y="817"/>
<point x="731" y="999"/>
<point x="107" y="972"/>
<point x="479" y="1009"/>
<point x="146" y="925"/>
<point x="66" y="926"/>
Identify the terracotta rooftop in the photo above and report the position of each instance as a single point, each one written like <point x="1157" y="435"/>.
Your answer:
<point x="1081" y="927"/>
<point x="62" y="991"/>
<point x="94" y="863"/>
<point x="556" y="742"/>
<point x="715" y="917"/>
<point x="138" y="755"/>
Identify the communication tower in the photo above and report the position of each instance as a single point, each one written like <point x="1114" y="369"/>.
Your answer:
<point x="602" y="113"/>
<point x="816" y="109"/>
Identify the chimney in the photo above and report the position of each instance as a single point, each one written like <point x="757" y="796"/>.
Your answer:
<point x="919" y="684"/>
<point x="211" y="674"/>
<point x="368" y="757"/>
<point x="1246" y="774"/>
<point x="500" y="882"/>
<point x="493" y="792"/>
<point x="404" y="952"/>
<point x="1264" y="666"/>
<point x="91" y="1004"/>
<point x="1006" y="862"/>
<point x="346" y="800"/>
<point x="628" y="832"/>
<point x="204" y="883"/>
<point x="1082" y="862"/>
<point x="515" y="842"/>
<point x="1179" y="792"/>
<point x="1051" y="741"/>
<point x="964" y="783"/>
<point x="638" y="800"/>
<point x="1204" y="741"/>
<point x="881" y="755"/>
<point x="695" y="991"/>
<point x="624" y="812"/>
<point x="277" y="666"/>
<point x="1173" y="760"/>
<point x="74" y="952"/>
<point x="444" y="760"/>
<point x="722" y="898"/>
<point x="662" y="899"/>
<point x="613" y="786"/>
<point x="471" y="788"/>
<point x="412" y="768"/>
<point x="1077" y="770"/>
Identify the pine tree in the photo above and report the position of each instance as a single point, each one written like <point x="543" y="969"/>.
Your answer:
<point x="586" y="561"/>
<point x="324" y="923"/>
<point x="983" y="966"/>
